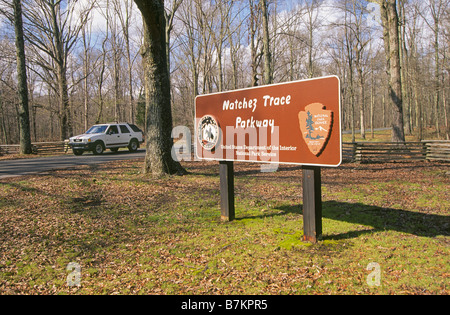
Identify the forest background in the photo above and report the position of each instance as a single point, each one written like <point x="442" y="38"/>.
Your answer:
<point x="84" y="63"/>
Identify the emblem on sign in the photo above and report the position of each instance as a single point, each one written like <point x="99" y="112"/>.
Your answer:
<point x="208" y="132"/>
<point x="315" y="124"/>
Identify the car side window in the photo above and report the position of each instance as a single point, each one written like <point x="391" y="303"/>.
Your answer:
<point x="112" y="130"/>
<point x="124" y="129"/>
<point x="135" y="128"/>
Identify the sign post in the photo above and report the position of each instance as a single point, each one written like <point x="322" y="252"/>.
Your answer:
<point x="226" y="190"/>
<point x="312" y="203"/>
<point x="289" y="123"/>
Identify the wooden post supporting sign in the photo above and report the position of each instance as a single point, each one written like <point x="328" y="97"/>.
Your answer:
<point x="226" y="190"/>
<point x="312" y="203"/>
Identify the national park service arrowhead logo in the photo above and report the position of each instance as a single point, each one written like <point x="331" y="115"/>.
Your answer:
<point x="315" y="124"/>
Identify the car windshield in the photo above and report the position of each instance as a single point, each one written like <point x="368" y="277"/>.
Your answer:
<point x="97" y="129"/>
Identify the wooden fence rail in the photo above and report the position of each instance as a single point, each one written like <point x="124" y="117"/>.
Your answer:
<point x="437" y="150"/>
<point x="351" y="151"/>
<point x="43" y="148"/>
<point x="391" y="151"/>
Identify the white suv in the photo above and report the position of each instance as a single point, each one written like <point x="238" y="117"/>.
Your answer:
<point x="107" y="136"/>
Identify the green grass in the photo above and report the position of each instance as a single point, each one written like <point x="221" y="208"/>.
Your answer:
<point x="385" y="136"/>
<point x="135" y="235"/>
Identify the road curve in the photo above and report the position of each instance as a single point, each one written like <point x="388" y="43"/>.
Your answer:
<point x="20" y="167"/>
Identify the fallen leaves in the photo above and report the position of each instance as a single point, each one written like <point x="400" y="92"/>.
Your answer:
<point x="132" y="234"/>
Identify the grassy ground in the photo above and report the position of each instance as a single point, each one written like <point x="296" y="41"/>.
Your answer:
<point x="385" y="136"/>
<point x="134" y="235"/>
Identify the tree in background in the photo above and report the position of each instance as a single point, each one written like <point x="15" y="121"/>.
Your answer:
<point x="268" y="67"/>
<point x="389" y="18"/>
<point x="53" y="30"/>
<point x="24" y="117"/>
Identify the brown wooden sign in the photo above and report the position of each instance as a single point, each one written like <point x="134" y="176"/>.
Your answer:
<point x="292" y="123"/>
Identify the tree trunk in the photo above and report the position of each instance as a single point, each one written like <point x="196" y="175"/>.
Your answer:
<point x="436" y="74"/>
<point x="102" y="69"/>
<point x="3" y="123"/>
<point x="361" y="104"/>
<point x="158" y="159"/>
<point x="116" y="74"/>
<point x="24" y="117"/>
<point x="125" y="16"/>
<point x="233" y="56"/>
<point x="418" y="108"/>
<point x="64" y="102"/>
<point x="86" y="79"/>
<point x="252" y="30"/>
<point x="390" y="25"/>
<point x="268" y="75"/>
<point x="349" y="51"/>
<point x="444" y="105"/>
<point x="60" y="60"/>
<point x="404" y="59"/>
<point x="372" y="106"/>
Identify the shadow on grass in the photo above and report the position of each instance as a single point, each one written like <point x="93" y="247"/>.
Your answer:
<point x="380" y="219"/>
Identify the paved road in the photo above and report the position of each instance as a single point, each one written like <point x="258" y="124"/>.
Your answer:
<point x="11" y="168"/>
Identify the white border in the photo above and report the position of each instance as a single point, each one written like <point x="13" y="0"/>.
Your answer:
<point x="265" y="86"/>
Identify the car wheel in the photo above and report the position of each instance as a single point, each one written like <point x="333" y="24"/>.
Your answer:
<point x="133" y="146"/>
<point x="98" y="148"/>
<point x="78" y="152"/>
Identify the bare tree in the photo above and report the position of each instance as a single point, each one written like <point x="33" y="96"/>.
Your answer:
<point x="53" y="30"/>
<point x="356" y="26"/>
<point x="219" y="35"/>
<point x="101" y="62"/>
<point x="436" y="8"/>
<point x="169" y="15"/>
<point x="312" y="22"/>
<point x="86" y="37"/>
<point x="389" y="18"/>
<point x="116" y="42"/>
<point x="22" y="84"/>
<point x="123" y="10"/>
<point x="404" y="58"/>
<point x="268" y="67"/>
<point x="24" y="117"/>
<point x="255" y="19"/>
<point x="191" y="43"/>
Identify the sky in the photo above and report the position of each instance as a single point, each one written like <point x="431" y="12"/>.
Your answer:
<point x="98" y="19"/>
